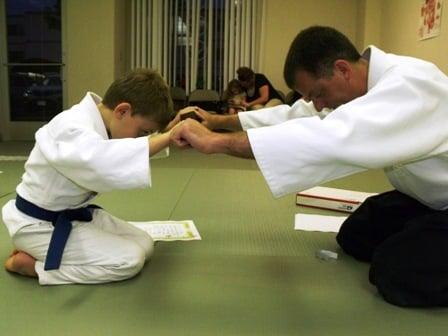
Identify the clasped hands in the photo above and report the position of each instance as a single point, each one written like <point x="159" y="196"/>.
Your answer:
<point x="192" y="133"/>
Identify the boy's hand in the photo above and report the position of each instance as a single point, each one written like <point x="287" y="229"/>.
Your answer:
<point x="185" y="111"/>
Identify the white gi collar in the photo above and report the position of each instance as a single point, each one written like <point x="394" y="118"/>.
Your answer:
<point x="378" y="64"/>
<point x="89" y="103"/>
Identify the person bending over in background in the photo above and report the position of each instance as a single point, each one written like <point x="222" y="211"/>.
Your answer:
<point x="259" y="91"/>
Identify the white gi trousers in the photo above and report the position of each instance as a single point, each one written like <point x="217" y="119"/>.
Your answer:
<point x="104" y="250"/>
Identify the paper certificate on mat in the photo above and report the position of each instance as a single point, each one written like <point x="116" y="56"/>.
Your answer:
<point x="169" y="230"/>
<point x="320" y="223"/>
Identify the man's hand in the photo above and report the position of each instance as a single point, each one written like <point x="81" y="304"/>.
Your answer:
<point x="194" y="134"/>
<point x="191" y="133"/>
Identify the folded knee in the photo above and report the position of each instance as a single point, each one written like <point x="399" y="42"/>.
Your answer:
<point x="131" y="262"/>
<point x="354" y="245"/>
<point x="390" y="285"/>
<point x="149" y="248"/>
<point x="407" y="283"/>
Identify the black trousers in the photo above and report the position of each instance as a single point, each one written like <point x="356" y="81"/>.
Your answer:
<point x="407" y="245"/>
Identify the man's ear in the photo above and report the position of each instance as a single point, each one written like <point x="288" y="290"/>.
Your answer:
<point x="122" y="109"/>
<point x="343" y="67"/>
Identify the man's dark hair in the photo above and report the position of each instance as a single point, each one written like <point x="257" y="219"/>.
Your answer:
<point x="315" y="50"/>
<point x="245" y="74"/>
<point x="146" y="92"/>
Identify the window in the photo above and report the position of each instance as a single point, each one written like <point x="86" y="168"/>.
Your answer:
<point x="34" y="59"/>
<point x="195" y="44"/>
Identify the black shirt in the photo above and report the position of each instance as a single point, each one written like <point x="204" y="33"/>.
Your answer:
<point x="261" y="80"/>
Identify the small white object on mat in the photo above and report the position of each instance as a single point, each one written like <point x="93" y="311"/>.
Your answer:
<point x="169" y="230"/>
<point x="326" y="255"/>
<point x="320" y="223"/>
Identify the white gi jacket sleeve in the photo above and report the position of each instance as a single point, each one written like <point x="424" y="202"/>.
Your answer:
<point x="278" y="114"/>
<point x="92" y="162"/>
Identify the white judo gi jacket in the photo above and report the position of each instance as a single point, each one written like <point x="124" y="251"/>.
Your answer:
<point x="400" y="125"/>
<point x="72" y="161"/>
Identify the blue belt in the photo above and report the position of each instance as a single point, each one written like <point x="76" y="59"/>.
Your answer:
<point x="62" y="222"/>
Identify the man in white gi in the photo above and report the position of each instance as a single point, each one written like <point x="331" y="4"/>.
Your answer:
<point x="95" y="146"/>
<point x="389" y="112"/>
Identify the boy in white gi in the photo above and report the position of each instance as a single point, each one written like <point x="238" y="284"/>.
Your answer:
<point x="96" y="146"/>
<point x="389" y="112"/>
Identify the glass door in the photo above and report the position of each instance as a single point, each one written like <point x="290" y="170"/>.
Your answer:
<point x="32" y="85"/>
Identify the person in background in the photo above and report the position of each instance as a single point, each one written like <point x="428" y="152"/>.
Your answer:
<point x="259" y="91"/>
<point x="234" y="97"/>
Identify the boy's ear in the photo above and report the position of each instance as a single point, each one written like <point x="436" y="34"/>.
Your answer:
<point x="122" y="109"/>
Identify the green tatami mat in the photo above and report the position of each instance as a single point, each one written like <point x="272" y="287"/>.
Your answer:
<point x="12" y="170"/>
<point x="192" y="159"/>
<point x="251" y="274"/>
<point x="155" y="203"/>
<point x="11" y="174"/>
<point x="216" y="295"/>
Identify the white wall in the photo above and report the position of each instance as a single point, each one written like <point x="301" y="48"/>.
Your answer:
<point x="370" y="26"/>
<point x="283" y="19"/>
<point x="399" y="32"/>
<point x="94" y="46"/>
<point x="389" y="24"/>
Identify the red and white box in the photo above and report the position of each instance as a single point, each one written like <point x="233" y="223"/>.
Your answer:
<point x="332" y="199"/>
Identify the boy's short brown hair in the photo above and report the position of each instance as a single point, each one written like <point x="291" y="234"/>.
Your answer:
<point x="234" y="84"/>
<point x="147" y="93"/>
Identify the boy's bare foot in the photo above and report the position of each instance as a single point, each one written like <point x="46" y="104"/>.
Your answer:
<point x="22" y="263"/>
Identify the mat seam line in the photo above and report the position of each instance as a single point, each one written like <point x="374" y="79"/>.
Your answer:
<point x="181" y="194"/>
